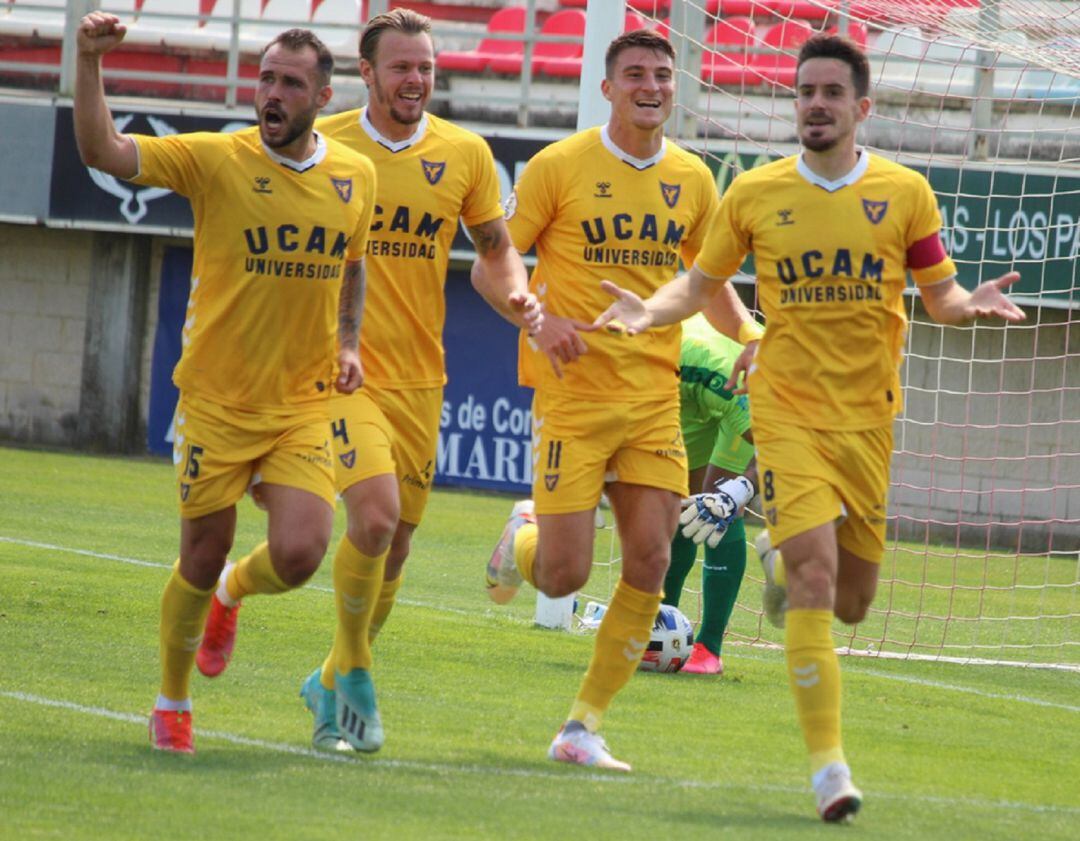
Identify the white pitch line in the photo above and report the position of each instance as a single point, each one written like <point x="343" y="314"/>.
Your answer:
<point x="34" y="544"/>
<point x="573" y="777"/>
<point x="970" y="690"/>
<point x="997" y="696"/>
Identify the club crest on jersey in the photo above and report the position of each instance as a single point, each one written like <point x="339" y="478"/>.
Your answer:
<point x="550" y="481"/>
<point x="343" y="187"/>
<point x="185" y="489"/>
<point x="875" y="210"/>
<point x="433" y="170"/>
<point x="670" y="192"/>
<point x="348" y="459"/>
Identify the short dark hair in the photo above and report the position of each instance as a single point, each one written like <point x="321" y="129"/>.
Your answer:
<point x="405" y="21"/>
<point x="296" y="40"/>
<point x="646" y="38"/>
<point x="842" y="49"/>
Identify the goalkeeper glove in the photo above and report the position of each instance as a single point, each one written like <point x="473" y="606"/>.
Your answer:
<point x="709" y="515"/>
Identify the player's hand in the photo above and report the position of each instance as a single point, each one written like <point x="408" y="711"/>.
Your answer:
<point x="736" y="384"/>
<point x="98" y="33"/>
<point x="627" y="315"/>
<point x="526" y="306"/>
<point x="350" y="372"/>
<point x="558" y="338"/>
<point x="708" y="516"/>
<point x="988" y="300"/>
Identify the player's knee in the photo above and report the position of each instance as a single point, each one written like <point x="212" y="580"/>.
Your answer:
<point x="811" y="583"/>
<point x="297" y="558"/>
<point x="372" y="525"/>
<point x="852" y="609"/>
<point x="560" y="580"/>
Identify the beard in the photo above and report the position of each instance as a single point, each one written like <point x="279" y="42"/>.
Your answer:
<point x="817" y="143"/>
<point x="294" y="128"/>
<point x="380" y="95"/>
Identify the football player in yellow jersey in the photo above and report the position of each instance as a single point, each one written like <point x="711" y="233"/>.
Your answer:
<point x="834" y="232"/>
<point x="384" y="436"/>
<point x="281" y="225"/>
<point x="612" y="202"/>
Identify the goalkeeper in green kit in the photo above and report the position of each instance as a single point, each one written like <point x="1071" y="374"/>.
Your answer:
<point x="720" y="456"/>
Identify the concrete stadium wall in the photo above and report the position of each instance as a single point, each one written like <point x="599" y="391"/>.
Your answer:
<point x="75" y="342"/>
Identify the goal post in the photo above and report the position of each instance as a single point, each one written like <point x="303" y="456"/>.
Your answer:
<point x="983" y="554"/>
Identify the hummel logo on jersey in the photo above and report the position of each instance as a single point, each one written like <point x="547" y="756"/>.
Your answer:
<point x="603" y="190"/>
<point x="262" y="184"/>
<point x="875" y="210"/>
<point x="670" y="193"/>
<point x="433" y="170"/>
<point x="785" y="217"/>
<point x="343" y="187"/>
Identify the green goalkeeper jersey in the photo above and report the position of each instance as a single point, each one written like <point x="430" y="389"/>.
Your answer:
<point x="713" y="419"/>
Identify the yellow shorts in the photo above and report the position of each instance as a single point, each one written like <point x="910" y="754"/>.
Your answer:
<point x="218" y="449"/>
<point x="379" y="431"/>
<point x="807" y="474"/>
<point x="578" y="446"/>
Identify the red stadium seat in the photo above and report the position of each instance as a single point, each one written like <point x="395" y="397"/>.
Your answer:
<point x="565" y="22"/>
<point x="508" y="19"/>
<point x="650" y="7"/>
<point x="856" y="32"/>
<point x="776" y="63"/>
<point x="571" y="67"/>
<point x="725" y="57"/>
<point x="773" y="10"/>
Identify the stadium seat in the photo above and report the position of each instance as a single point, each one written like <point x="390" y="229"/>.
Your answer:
<point x="856" y="32"/>
<point x="508" y="19"/>
<point x="776" y="62"/>
<point x="571" y="67"/>
<point x="564" y="22"/>
<point x="725" y="58"/>
<point x="773" y="10"/>
<point x="649" y="7"/>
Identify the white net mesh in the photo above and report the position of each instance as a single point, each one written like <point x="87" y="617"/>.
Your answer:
<point x="983" y="560"/>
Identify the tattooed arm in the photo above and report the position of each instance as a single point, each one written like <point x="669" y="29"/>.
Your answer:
<point x="350" y="313"/>
<point x="499" y="275"/>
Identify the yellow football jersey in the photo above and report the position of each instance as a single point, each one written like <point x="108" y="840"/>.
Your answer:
<point x="426" y="183"/>
<point x="595" y="213"/>
<point x="832" y="261"/>
<point x="271" y="241"/>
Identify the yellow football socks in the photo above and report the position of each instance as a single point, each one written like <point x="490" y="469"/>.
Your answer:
<point x="254" y="574"/>
<point x="814" y="674"/>
<point x="183" y="615"/>
<point x="387" y="596"/>
<point x="525" y="550"/>
<point x="357" y="579"/>
<point x="621" y="641"/>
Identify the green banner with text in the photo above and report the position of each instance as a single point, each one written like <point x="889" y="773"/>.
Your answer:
<point x="994" y="221"/>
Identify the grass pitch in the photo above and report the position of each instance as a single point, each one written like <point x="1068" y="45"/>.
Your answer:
<point x="471" y="695"/>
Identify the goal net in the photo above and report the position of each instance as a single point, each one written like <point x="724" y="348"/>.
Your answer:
<point x="983" y="552"/>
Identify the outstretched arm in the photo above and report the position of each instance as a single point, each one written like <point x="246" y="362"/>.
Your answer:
<point x="100" y="144"/>
<point x="499" y="275"/>
<point x="350" y="314"/>
<point x="950" y="303"/>
<point x="672" y="302"/>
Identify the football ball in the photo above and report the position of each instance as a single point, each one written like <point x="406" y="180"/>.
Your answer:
<point x="671" y="641"/>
